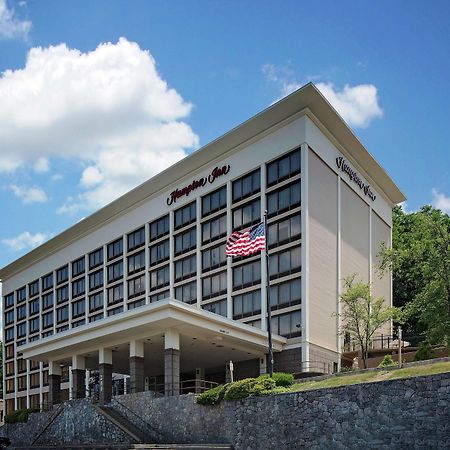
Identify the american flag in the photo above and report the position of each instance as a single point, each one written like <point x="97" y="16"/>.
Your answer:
<point x="247" y="242"/>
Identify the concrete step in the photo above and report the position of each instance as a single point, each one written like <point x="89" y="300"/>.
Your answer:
<point x="75" y="447"/>
<point x="182" y="447"/>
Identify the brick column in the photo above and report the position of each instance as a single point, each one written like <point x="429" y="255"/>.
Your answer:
<point x="136" y="366"/>
<point x="78" y="377"/>
<point x="105" y="374"/>
<point x="54" y="383"/>
<point x="171" y="363"/>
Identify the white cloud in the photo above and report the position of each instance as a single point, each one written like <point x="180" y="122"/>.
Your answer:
<point x="10" y="26"/>
<point x="109" y="109"/>
<point x="42" y="165"/>
<point x="25" y="240"/>
<point x="358" y="105"/>
<point x="29" y="194"/>
<point x="441" y="201"/>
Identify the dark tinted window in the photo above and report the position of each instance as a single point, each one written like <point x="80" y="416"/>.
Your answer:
<point x="136" y="263"/>
<point x="284" y="231"/>
<point x="214" y="229"/>
<point x="185" y="268"/>
<point x="159" y="228"/>
<point x="115" y="271"/>
<point x="246" y="215"/>
<point x="214" y="257"/>
<point x="159" y="252"/>
<point x="115" y="249"/>
<point x="283" y="168"/>
<point x="47" y="281"/>
<point x="284" y="263"/>
<point x="246" y="305"/>
<point x="247" y="185"/>
<point x="62" y="274"/>
<point x="214" y="201"/>
<point x="219" y="307"/>
<point x="284" y="199"/>
<point x="286" y="294"/>
<point x="33" y="288"/>
<point x="96" y="258"/>
<point x="214" y="285"/>
<point x="187" y="293"/>
<point x="185" y="241"/>
<point x="78" y="267"/>
<point x="185" y="215"/>
<point x="246" y="275"/>
<point x="136" y="239"/>
<point x="159" y="278"/>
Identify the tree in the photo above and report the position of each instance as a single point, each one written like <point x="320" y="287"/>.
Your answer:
<point x="420" y="262"/>
<point x="362" y="314"/>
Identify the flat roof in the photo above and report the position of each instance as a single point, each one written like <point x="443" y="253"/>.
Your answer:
<point x="307" y="97"/>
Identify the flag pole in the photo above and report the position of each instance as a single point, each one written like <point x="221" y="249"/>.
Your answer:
<point x="269" y="312"/>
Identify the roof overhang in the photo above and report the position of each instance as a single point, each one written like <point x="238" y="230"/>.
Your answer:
<point x="147" y="321"/>
<point x="307" y="98"/>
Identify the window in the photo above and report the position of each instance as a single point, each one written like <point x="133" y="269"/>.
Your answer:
<point x="62" y="294"/>
<point x="136" y="239"/>
<point x="136" y="304"/>
<point x="96" y="258"/>
<point x="33" y="325"/>
<point x="159" y="278"/>
<point x="21" y="365"/>
<point x="215" y="201"/>
<point x="34" y="365"/>
<point x="214" y="285"/>
<point x="47" y="282"/>
<point x="287" y="325"/>
<point x="286" y="294"/>
<point x="10" y="349"/>
<point x="283" y="168"/>
<point x="136" y="263"/>
<point x="284" y="231"/>
<point x="21" y="330"/>
<point x="160" y="296"/>
<point x="34" y="401"/>
<point x="284" y="263"/>
<point x="33" y="289"/>
<point x="115" y="271"/>
<point x="185" y="215"/>
<point x="115" y="249"/>
<point x="283" y="200"/>
<point x="33" y="307"/>
<point x="22" y="294"/>
<point x="159" y="252"/>
<point x="21" y="312"/>
<point x="219" y="307"/>
<point x="22" y="384"/>
<point x="62" y="314"/>
<point x="62" y="274"/>
<point x="115" y="294"/>
<point x="247" y="305"/>
<point x="35" y="381"/>
<point x="9" y="334"/>
<point x="47" y="320"/>
<point x="185" y="241"/>
<point x="9" y="317"/>
<point x="96" y="302"/>
<point x="159" y="228"/>
<point x="78" y="308"/>
<point x="187" y="293"/>
<point x="95" y="318"/>
<point x="136" y="286"/>
<point x="78" y="287"/>
<point x="246" y="275"/>
<point x="9" y="300"/>
<point x="185" y="268"/>
<point x="78" y="267"/>
<point x="247" y="185"/>
<point x="96" y="280"/>
<point x="78" y="323"/>
<point x="214" y="257"/>
<point x="10" y="368"/>
<point x="47" y="301"/>
<point x="214" y="229"/>
<point x="10" y="386"/>
<point x="113" y="312"/>
<point x="247" y="215"/>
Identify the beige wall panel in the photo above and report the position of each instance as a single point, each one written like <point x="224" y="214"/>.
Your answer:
<point x="354" y="235"/>
<point x="321" y="359"/>
<point x="381" y="283"/>
<point x="322" y="204"/>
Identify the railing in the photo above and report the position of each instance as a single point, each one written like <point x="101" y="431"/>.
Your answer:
<point x="196" y="386"/>
<point x="383" y="341"/>
<point x="321" y="367"/>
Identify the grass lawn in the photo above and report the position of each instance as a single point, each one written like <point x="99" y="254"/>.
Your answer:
<point x="371" y="377"/>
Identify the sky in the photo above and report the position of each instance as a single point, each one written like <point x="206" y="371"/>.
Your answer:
<point x="98" y="96"/>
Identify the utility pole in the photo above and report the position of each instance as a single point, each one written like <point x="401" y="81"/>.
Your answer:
<point x="399" y="347"/>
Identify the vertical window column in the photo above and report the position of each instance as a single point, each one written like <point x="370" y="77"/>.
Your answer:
<point x="199" y="254"/>
<point x="263" y="254"/>
<point x="171" y="253"/>
<point x="229" y="260"/>
<point x="125" y="270"/>
<point x="147" y="263"/>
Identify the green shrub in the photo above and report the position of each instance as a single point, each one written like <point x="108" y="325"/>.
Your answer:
<point x="283" y="379"/>
<point x="21" y="415"/>
<point x="424" y="352"/>
<point x="249" y="387"/>
<point x="387" y="361"/>
<point x="212" y="396"/>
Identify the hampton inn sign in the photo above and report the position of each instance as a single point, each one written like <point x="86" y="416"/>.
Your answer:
<point x="342" y="164"/>
<point x="186" y="190"/>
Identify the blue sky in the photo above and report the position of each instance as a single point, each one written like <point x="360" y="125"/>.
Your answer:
<point x="97" y="96"/>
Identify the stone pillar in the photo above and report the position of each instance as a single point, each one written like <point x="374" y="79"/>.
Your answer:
<point x="78" y="377"/>
<point x="199" y="380"/>
<point x="105" y="374"/>
<point x="54" y="383"/>
<point x="171" y="363"/>
<point x="136" y="366"/>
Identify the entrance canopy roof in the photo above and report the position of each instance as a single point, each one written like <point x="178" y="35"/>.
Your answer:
<point x="152" y="320"/>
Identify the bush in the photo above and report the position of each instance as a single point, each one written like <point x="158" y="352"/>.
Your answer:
<point x="424" y="352"/>
<point x="387" y="361"/>
<point x="21" y="415"/>
<point x="249" y="387"/>
<point x="212" y="396"/>
<point x="283" y="379"/>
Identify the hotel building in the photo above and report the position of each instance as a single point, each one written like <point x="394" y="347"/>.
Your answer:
<point x="143" y="287"/>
